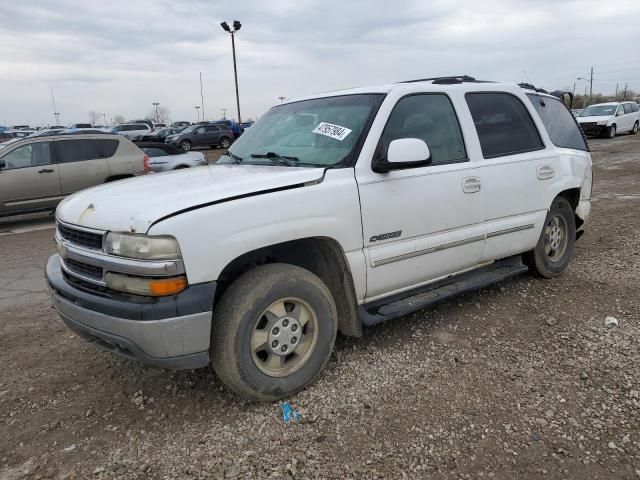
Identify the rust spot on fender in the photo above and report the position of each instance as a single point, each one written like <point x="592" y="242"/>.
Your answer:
<point x="86" y="212"/>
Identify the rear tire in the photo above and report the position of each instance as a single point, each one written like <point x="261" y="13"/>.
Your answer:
<point x="185" y="145"/>
<point x="634" y="130"/>
<point x="273" y="332"/>
<point x="556" y="243"/>
<point x="225" y="142"/>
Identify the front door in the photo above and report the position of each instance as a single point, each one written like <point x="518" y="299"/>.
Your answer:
<point x="423" y="223"/>
<point x="29" y="179"/>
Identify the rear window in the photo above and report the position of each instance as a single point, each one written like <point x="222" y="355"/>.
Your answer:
<point x="560" y="124"/>
<point x="503" y="124"/>
<point x="86" y="149"/>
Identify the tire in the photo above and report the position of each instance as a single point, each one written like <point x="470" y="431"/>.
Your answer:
<point x="253" y="313"/>
<point x="634" y="130"/>
<point x="185" y="145"/>
<point x="225" y="142"/>
<point x="611" y="131"/>
<point x="556" y="243"/>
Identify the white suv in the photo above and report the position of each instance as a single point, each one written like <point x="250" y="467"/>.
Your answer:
<point x="132" y="130"/>
<point x="330" y="213"/>
<point x="610" y="119"/>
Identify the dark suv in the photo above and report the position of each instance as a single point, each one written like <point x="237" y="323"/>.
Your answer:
<point x="202" y="135"/>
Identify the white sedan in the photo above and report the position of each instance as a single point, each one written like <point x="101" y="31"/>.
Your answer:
<point x="164" y="157"/>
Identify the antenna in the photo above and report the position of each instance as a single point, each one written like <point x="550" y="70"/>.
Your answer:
<point x="527" y="77"/>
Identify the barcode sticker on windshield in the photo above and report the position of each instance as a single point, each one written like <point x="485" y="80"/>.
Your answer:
<point x="331" y="130"/>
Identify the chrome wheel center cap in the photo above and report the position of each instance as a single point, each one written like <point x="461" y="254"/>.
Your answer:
<point x="284" y="336"/>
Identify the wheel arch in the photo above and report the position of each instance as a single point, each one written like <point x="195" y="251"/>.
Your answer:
<point x="322" y="256"/>
<point x="572" y="195"/>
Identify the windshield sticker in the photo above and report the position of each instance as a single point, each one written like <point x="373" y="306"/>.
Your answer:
<point x="331" y="130"/>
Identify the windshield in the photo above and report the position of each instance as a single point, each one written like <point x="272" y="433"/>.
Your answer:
<point x="190" y="129"/>
<point x="598" y="110"/>
<point x="318" y="132"/>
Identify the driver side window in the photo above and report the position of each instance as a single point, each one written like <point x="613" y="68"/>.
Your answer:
<point x="32" y="155"/>
<point x="428" y="117"/>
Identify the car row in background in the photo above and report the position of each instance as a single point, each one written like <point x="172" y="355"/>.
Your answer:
<point x="609" y="119"/>
<point x="202" y="135"/>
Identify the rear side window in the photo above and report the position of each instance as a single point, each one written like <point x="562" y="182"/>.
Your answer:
<point x="635" y="107"/>
<point x="559" y="122"/>
<point x="69" y="151"/>
<point x="627" y="108"/>
<point x="212" y="129"/>
<point x="503" y="124"/>
<point x="429" y="117"/>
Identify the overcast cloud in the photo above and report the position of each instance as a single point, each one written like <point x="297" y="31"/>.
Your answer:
<point x="118" y="56"/>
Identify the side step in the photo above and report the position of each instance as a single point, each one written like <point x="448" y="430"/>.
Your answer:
<point x="408" y="302"/>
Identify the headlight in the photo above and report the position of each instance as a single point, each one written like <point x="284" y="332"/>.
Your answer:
<point x="602" y="122"/>
<point x="142" y="246"/>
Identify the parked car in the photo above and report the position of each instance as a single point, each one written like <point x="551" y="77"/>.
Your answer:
<point x="81" y="125"/>
<point x="159" y="125"/>
<point x="149" y="123"/>
<point x="245" y="125"/>
<point x="235" y="127"/>
<point x="576" y="111"/>
<point x="164" y="157"/>
<point x="47" y="132"/>
<point x="202" y="135"/>
<point x="132" y="130"/>
<point x="181" y="124"/>
<point x="610" y="119"/>
<point x="370" y="204"/>
<point x="158" y="135"/>
<point x="37" y="172"/>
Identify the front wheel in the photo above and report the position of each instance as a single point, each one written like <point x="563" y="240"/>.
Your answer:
<point x="185" y="145"/>
<point x="273" y="332"/>
<point x="611" y="131"/>
<point x="556" y="243"/>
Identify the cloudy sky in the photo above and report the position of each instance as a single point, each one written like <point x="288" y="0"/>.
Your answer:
<point x="118" y="57"/>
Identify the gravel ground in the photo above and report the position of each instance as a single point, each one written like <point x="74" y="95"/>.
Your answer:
<point x="518" y="381"/>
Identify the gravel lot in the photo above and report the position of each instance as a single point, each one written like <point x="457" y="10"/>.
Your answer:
<point x="518" y="381"/>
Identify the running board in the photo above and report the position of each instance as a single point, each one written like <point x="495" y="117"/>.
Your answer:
<point x="417" y="299"/>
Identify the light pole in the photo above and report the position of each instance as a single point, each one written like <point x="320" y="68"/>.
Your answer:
<point x="57" y="115"/>
<point x="155" y="104"/>
<point x="282" y="99"/>
<point x="236" y="26"/>
<point x="224" y="113"/>
<point x="104" y="119"/>
<point x="197" y="107"/>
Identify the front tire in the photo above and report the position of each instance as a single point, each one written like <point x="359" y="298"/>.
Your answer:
<point x="273" y="332"/>
<point x="556" y="243"/>
<point x="185" y="145"/>
<point x="611" y="131"/>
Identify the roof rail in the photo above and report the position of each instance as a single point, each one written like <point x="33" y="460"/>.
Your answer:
<point x="450" y="80"/>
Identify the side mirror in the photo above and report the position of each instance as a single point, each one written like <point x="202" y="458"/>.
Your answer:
<point x="404" y="153"/>
<point x="2" y="164"/>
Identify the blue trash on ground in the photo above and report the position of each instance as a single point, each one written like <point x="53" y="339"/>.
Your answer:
<point x="289" y="413"/>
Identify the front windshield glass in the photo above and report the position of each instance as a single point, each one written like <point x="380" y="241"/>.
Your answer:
<point x="190" y="129"/>
<point x="318" y="132"/>
<point x="598" y="110"/>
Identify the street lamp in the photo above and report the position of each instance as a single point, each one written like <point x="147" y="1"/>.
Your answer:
<point x="197" y="107"/>
<point x="236" y="26"/>
<point x="224" y="113"/>
<point x="155" y="104"/>
<point x="282" y="99"/>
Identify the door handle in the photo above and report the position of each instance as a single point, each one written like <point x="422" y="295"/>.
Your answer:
<point x="471" y="184"/>
<point x="46" y="170"/>
<point x="545" y="172"/>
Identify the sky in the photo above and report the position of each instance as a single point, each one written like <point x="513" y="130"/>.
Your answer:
<point x="118" y="57"/>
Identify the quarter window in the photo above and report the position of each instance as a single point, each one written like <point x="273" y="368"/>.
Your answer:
<point x="635" y="107"/>
<point x="32" y="155"/>
<point x="428" y="117"/>
<point x="503" y="124"/>
<point x="87" y="149"/>
<point x="560" y="124"/>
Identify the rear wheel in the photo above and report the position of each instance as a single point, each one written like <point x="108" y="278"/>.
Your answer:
<point x="634" y="130"/>
<point x="556" y="243"/>
<point x="185" y="145"/>
<point x="273" y="332"/>
<point x="225" y="142"/>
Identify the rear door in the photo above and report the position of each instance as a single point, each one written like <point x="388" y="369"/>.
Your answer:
<point x="83" y="162"/>
<point x="199" y="136"/>
<point x="212" y="134"/>
<point x="515" y="170"/>
<point x="29" y="180"/>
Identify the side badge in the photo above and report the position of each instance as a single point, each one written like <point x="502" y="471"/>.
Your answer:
<point x="385" y="236"/>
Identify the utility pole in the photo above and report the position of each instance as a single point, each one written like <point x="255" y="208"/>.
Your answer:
<point x="55" y="113"/>
<point x="224" y="113"/>
<point x="624" y="95"/>
<point x="201" y="97"/>
<point x="155" y="104"/>
<point x="197" y="107"/>
<point x="104" y="119"/>
<point x="591" y="85"/>
<point x="616" y="95"/>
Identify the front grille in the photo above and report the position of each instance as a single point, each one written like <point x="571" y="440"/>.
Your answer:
<point x="84" y="269"/>
<point x="81" y="237"/>
<point x="588" y="126"/>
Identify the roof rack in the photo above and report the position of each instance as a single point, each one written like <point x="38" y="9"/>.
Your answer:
<point x="528" y="86"/>
<point x="450" y="80"/>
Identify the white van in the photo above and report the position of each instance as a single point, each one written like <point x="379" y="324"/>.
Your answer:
<point x="609" y="119"/>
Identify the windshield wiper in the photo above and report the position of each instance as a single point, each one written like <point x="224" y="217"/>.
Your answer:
<point x="232" y="156"/>
<point x="277" y="158"/>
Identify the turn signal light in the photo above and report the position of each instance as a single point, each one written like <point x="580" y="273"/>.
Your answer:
<point x="167" y="286"/>
<point x="153" y="287"/>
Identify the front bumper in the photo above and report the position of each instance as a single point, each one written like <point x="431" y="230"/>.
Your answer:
<point x="171" y="332"/>
<point x="593" y="129"/>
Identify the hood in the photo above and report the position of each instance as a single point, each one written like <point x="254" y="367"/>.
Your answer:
<point x="595" y="118"/>
<point x="135" y="204"/>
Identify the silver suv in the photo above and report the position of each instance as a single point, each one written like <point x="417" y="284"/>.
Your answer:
<point x="37" y="172"/>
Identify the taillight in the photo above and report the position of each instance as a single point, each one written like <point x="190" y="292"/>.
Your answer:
<point x="145" y="160"/>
